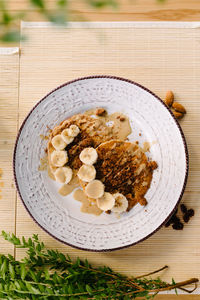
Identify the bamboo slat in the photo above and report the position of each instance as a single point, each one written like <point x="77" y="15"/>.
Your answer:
<point x="9" y="71"/>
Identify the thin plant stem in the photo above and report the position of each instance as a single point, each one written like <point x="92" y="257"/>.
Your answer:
<point x="54" y="295"/>
<point x="156" y="291"/>
<point x="151" y="273"/>
<point x="177" y="285"/>
<point x="189" y="291"/>
<point x="130" y="283"/>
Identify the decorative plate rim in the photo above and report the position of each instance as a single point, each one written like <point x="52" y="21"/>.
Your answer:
<point x="183" y="140"/>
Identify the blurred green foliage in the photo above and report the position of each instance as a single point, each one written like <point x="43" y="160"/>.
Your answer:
<point x="9" y="22"/>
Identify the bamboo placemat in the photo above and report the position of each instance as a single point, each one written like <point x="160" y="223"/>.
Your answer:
<point x="160" y="58"/>
<point x="9" y="66"/>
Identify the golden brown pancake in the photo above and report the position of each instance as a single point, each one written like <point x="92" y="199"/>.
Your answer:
<point x="123" y="167"/>
<point x="92" y="133"/>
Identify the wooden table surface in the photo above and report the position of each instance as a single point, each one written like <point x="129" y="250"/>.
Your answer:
<point x="129" y="10"/>
<point x="138" y="10"/>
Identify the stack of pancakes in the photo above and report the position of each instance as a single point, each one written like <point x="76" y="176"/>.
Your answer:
<point x="121" y="166"/>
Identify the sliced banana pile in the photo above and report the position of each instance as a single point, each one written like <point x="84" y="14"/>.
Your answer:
<point x="88" y="156"/>
<point x="121" y="203"/>
<point x="115" y="202"/>
<point x="87" y="173"/>
<point x="63" y="174"/>
<point x="95" y="189"/>
<point x="58" y="142"/>
<point x="59" y="157"/>
<point x="106" y="202"/>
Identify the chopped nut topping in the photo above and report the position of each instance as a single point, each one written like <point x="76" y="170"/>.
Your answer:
<point x="100" y="112"/>
<point x="153" y="165"/>
<point x="122" y="119"/>
<point x="117" y="165"/>
<point x="142" y="201"/>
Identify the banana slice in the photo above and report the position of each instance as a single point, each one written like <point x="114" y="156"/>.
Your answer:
<point x="63" y="174"/>
<point x="59" y="158"/>
<point x="87" y="173"/>
<point x="94" y="189"/>
<point x="106" y="202"/>
<point x="121" y="203"/>
<point x="88" y="156"/>
<point x="66" y="137"/>
<point x="58" y="142"/>
<point x="73" y="130"/>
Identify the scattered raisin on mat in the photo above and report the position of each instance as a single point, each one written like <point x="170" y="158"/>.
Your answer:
<point x="190" y="212"/>
<point x="169" y="222"/>
<point x="186" y="218"/>
<point x="175" y="222"/>
<point x="175" y="219"/>
<point x="183" y="208"/>
<point x="188" y="215"/>
<point x="178" y="226"/>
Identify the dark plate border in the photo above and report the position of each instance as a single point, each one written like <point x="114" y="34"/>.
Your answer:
<point x="176" y="122"/>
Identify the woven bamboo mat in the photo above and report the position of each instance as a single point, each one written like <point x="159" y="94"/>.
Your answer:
<point x="159" y="58"/>
<point x="9" y="71"/>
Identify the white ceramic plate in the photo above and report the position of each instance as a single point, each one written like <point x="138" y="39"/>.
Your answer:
<point x="61" y="216"/>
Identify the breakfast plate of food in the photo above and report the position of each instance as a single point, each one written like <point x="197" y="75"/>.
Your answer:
<point x="100" y="163"/>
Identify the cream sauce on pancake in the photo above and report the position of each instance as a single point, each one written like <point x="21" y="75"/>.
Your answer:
<point x="87" y="205"/>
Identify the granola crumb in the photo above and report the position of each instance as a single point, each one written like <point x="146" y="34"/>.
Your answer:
<point x="50" y="130"/>
<point x="153" y="165"/>
<point x="142" y="201"/>
<point x="100" y="112"/>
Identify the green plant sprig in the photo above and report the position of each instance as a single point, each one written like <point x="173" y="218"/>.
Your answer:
<point x="49" y="274"/>
<point x="9" y="22"/>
